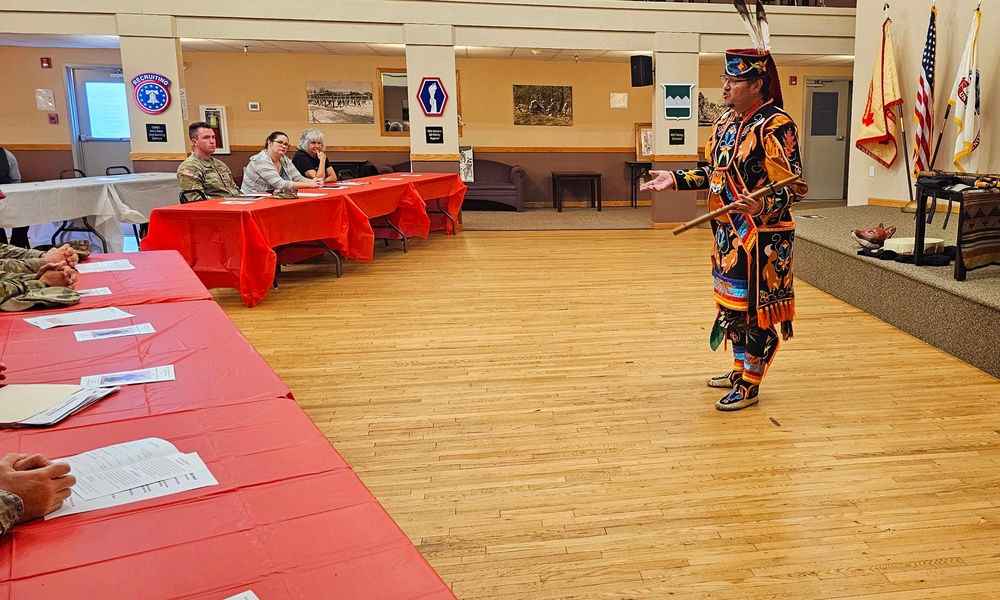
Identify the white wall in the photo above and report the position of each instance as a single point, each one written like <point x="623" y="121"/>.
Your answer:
<point x="909" y="32"/>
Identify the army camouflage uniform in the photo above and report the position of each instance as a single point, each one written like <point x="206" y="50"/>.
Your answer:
<point x="14" y="259"/>
<point x="200" y="179"/>
<point x="20" y="288"/>
<point x="11" y="509"/>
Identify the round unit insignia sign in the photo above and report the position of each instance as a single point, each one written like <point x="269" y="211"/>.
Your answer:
<point x="152" y="92"/>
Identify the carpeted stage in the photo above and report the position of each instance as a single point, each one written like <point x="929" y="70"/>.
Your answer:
<point x="959" y="317"/>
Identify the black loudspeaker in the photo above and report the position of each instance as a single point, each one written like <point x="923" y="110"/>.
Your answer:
<point x="642" y="70"/>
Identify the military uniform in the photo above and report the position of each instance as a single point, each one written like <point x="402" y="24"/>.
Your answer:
<point x="11" y="509"/>
<point x="20" y="260"/>
<point x="200" y="179"/>
<point x="20" y="288"/>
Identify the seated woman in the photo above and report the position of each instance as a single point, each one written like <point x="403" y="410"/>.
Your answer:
<point x="270" y="169"/>
<point x="310" y="158"/>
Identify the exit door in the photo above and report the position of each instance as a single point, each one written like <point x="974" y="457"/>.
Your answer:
<point x="825" y="144"/>
<point x="99" y="118"/>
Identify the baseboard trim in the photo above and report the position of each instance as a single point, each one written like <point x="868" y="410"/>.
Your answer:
<point x="892" y="203"/>
<point x="586" y="204"/>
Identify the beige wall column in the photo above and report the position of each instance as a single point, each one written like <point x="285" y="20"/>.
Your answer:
<point x="430" y="52"/>
<point x="676" y="62"/>
<point x="149" y="44"/>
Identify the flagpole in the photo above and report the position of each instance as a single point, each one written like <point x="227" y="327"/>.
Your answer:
<point x="906" y="160"/>
<point x="937" y="146"/>
<point x="947" y="111"/>
<point x="911" y="206"/>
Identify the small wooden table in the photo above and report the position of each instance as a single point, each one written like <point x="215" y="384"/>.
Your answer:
<point x="637" y="169"/>
<point x="559" y="178"/>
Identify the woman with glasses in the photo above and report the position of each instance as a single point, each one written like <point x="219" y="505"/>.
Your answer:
<point x="270" y="169"/>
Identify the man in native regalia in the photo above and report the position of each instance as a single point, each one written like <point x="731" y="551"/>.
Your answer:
<point x="753" y="146"/>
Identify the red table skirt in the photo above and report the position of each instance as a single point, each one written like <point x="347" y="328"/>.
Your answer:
<point x="233" y="245"/>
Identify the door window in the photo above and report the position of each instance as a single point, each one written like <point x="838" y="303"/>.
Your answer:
<point x="107" y="110"/>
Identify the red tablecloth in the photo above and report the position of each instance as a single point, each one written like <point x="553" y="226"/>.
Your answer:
<point x="157" y="277"/>
<point x="442" y="190"/>
<point x="387" y="196"/>
<point x="232" y="245"/>
<point x="213" y="362"/>
<point x="289" y="519"/>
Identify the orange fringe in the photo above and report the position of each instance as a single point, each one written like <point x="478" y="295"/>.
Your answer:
<point x="783" y="312"/>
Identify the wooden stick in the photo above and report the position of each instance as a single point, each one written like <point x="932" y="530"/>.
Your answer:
<point x="721" y="211"/>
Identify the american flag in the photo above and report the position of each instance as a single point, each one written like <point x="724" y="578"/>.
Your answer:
<point x="923" y="112"/>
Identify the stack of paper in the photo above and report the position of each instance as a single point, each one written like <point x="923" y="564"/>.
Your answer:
<point x="131" y="472"/>
<point x="42" y="405"/>
<point x="121" y="264"/>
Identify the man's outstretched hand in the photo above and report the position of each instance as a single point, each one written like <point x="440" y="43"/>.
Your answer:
<point x="662" y="180"/>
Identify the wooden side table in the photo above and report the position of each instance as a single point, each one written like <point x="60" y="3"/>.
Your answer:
<point x="637" y="169"/>
<point x="559" y="178"/>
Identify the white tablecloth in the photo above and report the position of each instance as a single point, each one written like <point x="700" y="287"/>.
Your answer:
<point x="142" y="192"/>
<point x="108" y="201"/>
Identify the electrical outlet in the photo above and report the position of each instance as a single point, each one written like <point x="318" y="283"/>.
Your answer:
<point x="871" y="171"/>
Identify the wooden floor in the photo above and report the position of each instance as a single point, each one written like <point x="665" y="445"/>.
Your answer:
<point x="530" y="408"/>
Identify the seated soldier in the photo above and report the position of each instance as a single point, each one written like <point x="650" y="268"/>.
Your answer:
<point x="24" y="260"/>
<point x="51" y="286"/>
<point x="32" y="277"/>
<point x="31" y="487"/>
<point x="201" y="175"/>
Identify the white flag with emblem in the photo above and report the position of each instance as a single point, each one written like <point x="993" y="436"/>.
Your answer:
<point x="965" y="99"/>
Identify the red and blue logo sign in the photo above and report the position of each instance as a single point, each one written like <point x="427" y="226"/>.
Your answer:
<point x="152" y="93"/>
<point x="432" y="96"/>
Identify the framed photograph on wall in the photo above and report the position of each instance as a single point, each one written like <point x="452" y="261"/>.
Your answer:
<point x="215" y="116"/>
<point x="710" y="106"/>
<point x="342" y="102"/>
<point x="465" y="170"/>
<point x="543" y="105"/>
<point x="644" y="142"/>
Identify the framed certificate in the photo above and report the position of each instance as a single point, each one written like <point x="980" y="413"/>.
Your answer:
<point x="644" y="141"/>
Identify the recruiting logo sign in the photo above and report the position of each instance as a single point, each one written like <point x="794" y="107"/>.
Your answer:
<point x="432" y="96"/>
<point x="152" y="93"/>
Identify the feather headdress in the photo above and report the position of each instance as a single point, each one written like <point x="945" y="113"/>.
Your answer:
<point x="755" y="24"/>
<point x="755" y="62"/>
